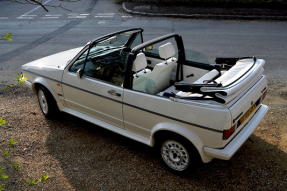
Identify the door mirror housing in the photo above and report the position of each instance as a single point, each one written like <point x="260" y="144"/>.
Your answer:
<point x="148" y="48"/>
<point x="80" y="73"/>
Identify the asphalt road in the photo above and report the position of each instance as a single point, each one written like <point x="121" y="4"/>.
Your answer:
<point x="37" y="33"/>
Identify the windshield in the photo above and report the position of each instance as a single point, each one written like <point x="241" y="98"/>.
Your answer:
<point x="121" y="40"/>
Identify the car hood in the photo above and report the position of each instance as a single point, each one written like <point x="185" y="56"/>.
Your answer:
<point x="51" y="66"/>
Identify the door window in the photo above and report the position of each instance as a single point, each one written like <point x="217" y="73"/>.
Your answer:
<point x="107" y="59"/>
<point x="194" y="56"/>
<point x="108" y="65"/>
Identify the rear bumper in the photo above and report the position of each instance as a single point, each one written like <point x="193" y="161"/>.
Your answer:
<point x="227" y="152"/>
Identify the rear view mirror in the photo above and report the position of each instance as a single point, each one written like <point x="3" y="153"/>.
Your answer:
<point x="109" y="40"/>
<point x="113" y="39"/>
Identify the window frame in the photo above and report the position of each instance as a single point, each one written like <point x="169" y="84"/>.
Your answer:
<point x="94" y="42"/>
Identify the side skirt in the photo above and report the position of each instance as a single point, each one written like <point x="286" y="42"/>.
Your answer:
<point x="110" y="127"/>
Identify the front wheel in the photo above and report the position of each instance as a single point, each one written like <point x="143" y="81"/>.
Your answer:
<point x="47" y="102"/>
<point x="178" y="154"/>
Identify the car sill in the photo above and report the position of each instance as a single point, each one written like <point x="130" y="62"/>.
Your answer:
<point x="110" y="127"/>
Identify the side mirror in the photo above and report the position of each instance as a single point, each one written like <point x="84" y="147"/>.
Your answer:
<point x="80" y="73"/>
<point x="148" y="48"/>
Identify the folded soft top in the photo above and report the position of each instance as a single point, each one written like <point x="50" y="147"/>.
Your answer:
<point x="236" y="72"/>
<point x="226" y="87"/>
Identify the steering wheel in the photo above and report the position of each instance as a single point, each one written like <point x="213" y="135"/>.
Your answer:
<point x="124" y="50"/>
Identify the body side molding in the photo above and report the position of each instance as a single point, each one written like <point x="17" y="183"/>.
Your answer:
<point x="196" y="125"/>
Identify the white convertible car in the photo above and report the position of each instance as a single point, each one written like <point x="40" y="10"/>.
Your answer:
<point x="157" y="93"/>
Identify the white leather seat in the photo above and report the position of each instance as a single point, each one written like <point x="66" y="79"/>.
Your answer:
<point x="160" y="75"/>
<point x="140" y="70"/>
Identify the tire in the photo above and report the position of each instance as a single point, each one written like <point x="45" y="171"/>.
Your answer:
<point x="177" y="153"/>
<point x="47" y="102"/>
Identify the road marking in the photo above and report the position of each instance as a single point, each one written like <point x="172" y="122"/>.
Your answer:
<point x="77" y="17"/>
<point x="101" y="22"/>
<point x="105" y="13"/>
<point x="126" y="16"/>
<point x="53" y="15"/>
<point x="104" y="16"/>
<point x="50" y="17"/>
<point x="28" y="16"/>
<point x="3" y="17"/>
<point x="34" y="9"/>
<point x="25" y="17"/>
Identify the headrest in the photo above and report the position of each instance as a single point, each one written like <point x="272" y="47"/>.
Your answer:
<point x="140" y="62"/>
<point x="166" y="51"/>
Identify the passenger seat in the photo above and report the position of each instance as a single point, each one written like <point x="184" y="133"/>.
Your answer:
<point x="141" y="72"/>
<point x="160" y="75"/>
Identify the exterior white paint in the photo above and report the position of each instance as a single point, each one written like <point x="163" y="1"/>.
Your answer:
<point x="139" y="115"/>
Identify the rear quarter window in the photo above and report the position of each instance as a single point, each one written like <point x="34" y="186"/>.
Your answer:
<point x="198" y="57"/>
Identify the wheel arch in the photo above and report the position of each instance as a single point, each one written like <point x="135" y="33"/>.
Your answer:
<point x="39" y="81"/>
<point x="162" y="128"/>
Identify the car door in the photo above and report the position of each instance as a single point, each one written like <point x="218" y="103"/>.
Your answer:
<point x="144" y="109"/>
<point x="99" y="91"/>
<point x="92" y="96"/>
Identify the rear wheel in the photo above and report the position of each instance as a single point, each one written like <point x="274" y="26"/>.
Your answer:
<point x="47" y="102"/>
<point x="178" y="154"/>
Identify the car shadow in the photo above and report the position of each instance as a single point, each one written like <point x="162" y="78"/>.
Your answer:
<point x="93" y="158"/>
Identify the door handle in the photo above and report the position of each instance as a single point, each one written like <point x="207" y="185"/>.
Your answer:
<point x="191" y="75"/>
<point x="113" y="92"/>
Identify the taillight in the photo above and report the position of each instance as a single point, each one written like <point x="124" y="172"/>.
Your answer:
<point x="228" y="133"/>
<point x="263" y="96"/>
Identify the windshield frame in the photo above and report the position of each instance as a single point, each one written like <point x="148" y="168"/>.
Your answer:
<point x="90" y="44"/>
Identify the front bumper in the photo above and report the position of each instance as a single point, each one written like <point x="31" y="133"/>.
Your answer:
<point x="227" y="152"/>
<point x="28" y="84"/>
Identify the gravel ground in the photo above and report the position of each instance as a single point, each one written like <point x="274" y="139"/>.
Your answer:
<point x="78" y="155"/>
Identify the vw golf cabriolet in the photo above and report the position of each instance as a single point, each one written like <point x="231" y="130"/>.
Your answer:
<point x="156" y="92"/>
